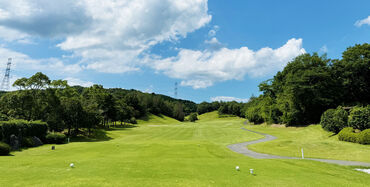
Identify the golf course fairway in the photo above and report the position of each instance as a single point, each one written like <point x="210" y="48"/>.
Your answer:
<point x="161" y="151"/>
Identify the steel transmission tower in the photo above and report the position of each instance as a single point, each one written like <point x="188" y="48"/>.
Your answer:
<point x="5" y="83"/>
<point x="176" y="90"/>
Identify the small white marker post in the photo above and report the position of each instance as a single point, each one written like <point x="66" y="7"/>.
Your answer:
<point x="302" y="153"/>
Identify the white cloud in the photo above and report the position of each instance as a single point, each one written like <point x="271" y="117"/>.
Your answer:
<point x="365" y="21"/>
<point x="109" y="36"/>
<point x="10" y="35"/>
<point x="78" y="82"/>
<point x="201" y="69"/>
<point x="213" y="44"/>
<point x="324" y="49"/>
<point x="213" y="31"/>
<point x="22" y="62"/>
<point x="226" y="98"/>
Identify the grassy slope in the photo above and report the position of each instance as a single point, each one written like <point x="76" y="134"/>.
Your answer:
<point x="316" y="143"/>
<point x="173" y="154"/>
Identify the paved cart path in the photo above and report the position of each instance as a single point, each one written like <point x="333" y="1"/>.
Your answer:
<point x="243" y="149"/>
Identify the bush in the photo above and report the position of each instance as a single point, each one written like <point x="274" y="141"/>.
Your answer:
<point x="193" y="117"/>
<point x="12" y="127"/>
<point x="4" y="149"/>
<point x="364" y="137"/>
<point x="133" y="120"/>
<point x="37" y="128"/>
<point x="359" y="118"/>
<point x="26" y="128"/>
<point x="334" y="120"/>
<point x="253" y="114"/>
<point x="348" y="134"/>
<point x="56" y="138"/>
<point x="27" y="142"/>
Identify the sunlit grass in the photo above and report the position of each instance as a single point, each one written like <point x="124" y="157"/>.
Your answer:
<point x="164" y="152"/>
<point x="316" y="143"/>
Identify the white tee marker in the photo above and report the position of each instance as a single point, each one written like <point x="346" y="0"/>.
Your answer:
<point x="302" y="153"/>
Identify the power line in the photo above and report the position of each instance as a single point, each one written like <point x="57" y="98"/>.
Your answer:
<point x="5" y="84"/>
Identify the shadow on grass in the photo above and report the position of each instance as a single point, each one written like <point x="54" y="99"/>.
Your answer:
<point x="97" y="135"/>
<point x="147" y="118"/>
<point x="121" y="127"/>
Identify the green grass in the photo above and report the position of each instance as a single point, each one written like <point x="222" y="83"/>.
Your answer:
<point x="316" y="143"/>
<point x="158" y="120"/>
<point x="164" y="152"/>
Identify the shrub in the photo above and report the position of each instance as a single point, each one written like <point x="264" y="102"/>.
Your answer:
<point x="253" y="114"/>
<point x="38" y="129"/>
<point x="27" y="142"/>
<point x="334" y="120"/>
<point x="56" y="137"/>
<point x="26" y="128"/>
<point x="133" y="120"/>
<point x="359" y="118"/>
<point x="1" y="132"/>
<point x="4" y="149"/>
<point x="364" y="137"/>
<point x="12" y="127"/>
<point x="348" y="134"/>
<point x="193" y="117"/>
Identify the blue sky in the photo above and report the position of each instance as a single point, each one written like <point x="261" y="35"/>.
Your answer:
<point x="215" y="50"/>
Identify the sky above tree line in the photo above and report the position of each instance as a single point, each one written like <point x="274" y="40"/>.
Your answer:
<point x="215" y="50"/>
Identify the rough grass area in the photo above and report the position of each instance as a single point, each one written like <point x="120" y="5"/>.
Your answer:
<point x="164" y="152"/>
<point x="316" y="143"/>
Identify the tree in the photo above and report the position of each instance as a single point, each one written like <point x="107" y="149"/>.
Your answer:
<point x="73" y="113"/>
<point x="193" y="117"/>
<point x="354" y="73"/>
<point x="178" y="112"/>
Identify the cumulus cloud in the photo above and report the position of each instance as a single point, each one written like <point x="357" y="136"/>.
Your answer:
<point x="227" y="99"/>
<point x="44" y="18"/>
<point x="112" y="31"/>
<point x="361" y="22"/>
<point x="324" y="49"/>
<point x="201" y="69"/>
<point x="75" y="81"/>
<point x="22" y="62"/>
<point x="10" y="35"/>
<point x="213" y="44"/>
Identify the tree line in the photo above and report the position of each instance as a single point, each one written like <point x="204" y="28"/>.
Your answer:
<point x="307" y="86"/>
<point x="311" y="84"/>
<point x="73" y="107"/>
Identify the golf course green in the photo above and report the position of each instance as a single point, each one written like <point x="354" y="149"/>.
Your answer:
<point x="160" y="151"/>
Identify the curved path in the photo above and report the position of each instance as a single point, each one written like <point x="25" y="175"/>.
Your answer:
<point x="243" y="149"/>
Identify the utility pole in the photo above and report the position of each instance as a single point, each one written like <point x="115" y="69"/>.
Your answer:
<point x="5" y="84"/>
